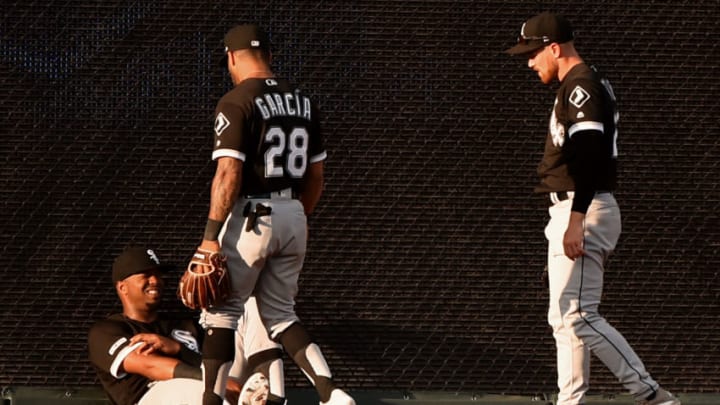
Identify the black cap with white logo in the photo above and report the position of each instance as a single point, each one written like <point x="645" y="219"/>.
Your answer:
<point x="246" y="36"/>
<point x="540" y="31"/>
<point x="135" y="260"/>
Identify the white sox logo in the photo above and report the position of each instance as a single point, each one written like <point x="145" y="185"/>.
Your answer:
<point x="557" y="130"/>
<point x="579" y="97"/>
<point x="153" y="256"/>
<point x="186" y="339"/>
<point x="221" y="123"/>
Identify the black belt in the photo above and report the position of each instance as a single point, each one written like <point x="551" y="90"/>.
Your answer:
<point x="286" y="193"/>
<point x="562" y="195"/>
<point x="558" y="196"/>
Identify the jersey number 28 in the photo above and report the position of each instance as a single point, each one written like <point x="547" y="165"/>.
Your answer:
<point x="291" y="147"/>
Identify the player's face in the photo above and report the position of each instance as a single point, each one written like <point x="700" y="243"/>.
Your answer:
<point x="145" y="289"/>
<point x="543" y="62"/>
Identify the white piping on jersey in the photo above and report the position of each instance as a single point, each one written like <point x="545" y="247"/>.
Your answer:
<point x="319" y="158"/>
<point x="115" y="366"/>
<point x="241" y="156"/>
<point x="228" y="153"/>
<point x="116" y="345"/>
<point x="585" y="126"/>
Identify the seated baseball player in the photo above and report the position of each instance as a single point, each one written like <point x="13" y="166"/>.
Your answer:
<point x="139" y="356"/>
<point x="142" y="358"/>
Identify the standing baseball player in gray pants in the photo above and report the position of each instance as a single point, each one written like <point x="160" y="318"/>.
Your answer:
<point x="578" y="172"/>
<point x="269" y="177"/>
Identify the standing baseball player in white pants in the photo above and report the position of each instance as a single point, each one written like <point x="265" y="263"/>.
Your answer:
<point x="578" y="172"/>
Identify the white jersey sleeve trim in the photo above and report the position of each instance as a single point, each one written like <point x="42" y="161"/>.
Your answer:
<point x="585" y="126"/>
<point x="115" y="366"/>
<point x="228" y="153"/>
<point x="319" y="158"/>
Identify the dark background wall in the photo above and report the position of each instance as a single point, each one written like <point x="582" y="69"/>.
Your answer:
<point x="426" y="251"/>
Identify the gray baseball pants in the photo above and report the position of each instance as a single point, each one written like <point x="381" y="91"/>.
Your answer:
<point x="575" y="293"/>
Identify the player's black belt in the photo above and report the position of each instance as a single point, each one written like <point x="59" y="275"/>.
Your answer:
<point x="286" y="193"/>
<point x="557" y="196"/>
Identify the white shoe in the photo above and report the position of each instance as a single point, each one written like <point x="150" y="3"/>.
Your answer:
<point x="339" y="397"/>
<point x="662" y="397"/>
<point x="255" y="391"/>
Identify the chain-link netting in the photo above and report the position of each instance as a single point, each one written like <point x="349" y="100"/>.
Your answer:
<point x="426" y="251"/>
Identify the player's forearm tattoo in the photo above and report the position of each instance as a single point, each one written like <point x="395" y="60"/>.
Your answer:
<point x="224" y="192"/>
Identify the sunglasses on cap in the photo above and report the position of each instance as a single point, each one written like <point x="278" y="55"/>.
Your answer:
<point x="526" y="40"/>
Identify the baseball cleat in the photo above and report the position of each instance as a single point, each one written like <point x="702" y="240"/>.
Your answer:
<point x="255" y="391"/>
<point x="662" y="397"/>
<point x="339" y="397"/>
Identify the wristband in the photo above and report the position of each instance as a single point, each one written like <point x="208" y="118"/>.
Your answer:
<point x="212" y="229"/>
<point x="183" y="370"/>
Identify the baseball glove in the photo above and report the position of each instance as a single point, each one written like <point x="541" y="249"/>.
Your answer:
<point x="206" y="281"/>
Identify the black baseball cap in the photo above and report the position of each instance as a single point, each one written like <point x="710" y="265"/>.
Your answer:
<point x="245" y="36"/>
<point x="135" y="260"/>
<point x="540" y="31"/>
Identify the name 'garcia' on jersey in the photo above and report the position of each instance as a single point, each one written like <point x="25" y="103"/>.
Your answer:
<point x="285" y="105"/>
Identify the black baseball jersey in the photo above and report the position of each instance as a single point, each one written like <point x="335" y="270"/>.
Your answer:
<point x="273" y="128"/>
<point x="108" y="346"/>
<point x="580" y="149"/>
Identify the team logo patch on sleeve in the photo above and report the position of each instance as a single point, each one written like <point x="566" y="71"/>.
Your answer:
<point x="186" y="338"/>
<point x="221" y="123"/>
<point x="579" y="96"/>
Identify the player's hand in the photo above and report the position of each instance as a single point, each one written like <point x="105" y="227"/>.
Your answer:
<point x="574" y="236"/>
<point x="210" y="246"/>
<point x="152" y="343"/>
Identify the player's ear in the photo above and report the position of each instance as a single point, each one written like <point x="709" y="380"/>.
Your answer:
<point x="561" y="50"/>
<point x="120" y="287"/>
<point x="555" y="50"/>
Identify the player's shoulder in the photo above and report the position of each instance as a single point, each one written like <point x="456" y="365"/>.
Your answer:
<point x="242" y="93"/>
<point x="248" y="89"/>
<point x="170" y="321"/>
<point x="275" y="85"/>
<point x="581" y="85"/>
<point x="108" y="328"/>
<point x="112" y="322"/>
<point x="584" y="75"/>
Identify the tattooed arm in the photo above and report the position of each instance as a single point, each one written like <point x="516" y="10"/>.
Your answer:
<point x="225" y="188"/>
